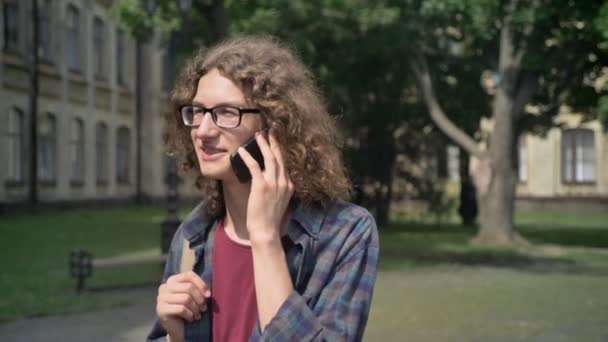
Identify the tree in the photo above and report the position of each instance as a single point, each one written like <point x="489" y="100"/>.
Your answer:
<point x="541" y="55"/>
<point x="356" y="50"/>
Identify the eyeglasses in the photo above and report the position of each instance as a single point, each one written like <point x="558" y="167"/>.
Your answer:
<point x="224" y="116"/>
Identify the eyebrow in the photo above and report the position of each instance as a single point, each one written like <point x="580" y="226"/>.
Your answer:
<point x="233" y="104"/>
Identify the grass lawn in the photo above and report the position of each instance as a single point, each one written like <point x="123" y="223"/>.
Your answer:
<point x="432" y="285"/>
<point x="34" y="251"/>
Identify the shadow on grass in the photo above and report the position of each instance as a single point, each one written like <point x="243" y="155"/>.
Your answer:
<point x="419" y="244"/>
<point x="566" y="235"/>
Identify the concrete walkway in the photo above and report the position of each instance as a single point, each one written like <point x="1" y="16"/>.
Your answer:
<point x="125" y="324"/>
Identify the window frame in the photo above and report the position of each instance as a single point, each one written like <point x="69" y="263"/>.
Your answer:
<point x="16" y="158"/>
<point x="120" y="54"/>
<point x="77" y="155"/>
<point x="123" y="150"/>
<point x="99" y="45"/>
<point x="101" y="154"/>
<point x="74" y="58"/>
<point x="11" y="36"/>
<point x="522" y="155"/>
<point x="46" y="18"/>
<point x="573" y="164"/>
<point x="45" y="140"/>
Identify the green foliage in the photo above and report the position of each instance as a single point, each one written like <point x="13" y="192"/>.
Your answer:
<point x="602" y="111"/>
<point x="133" y="17"/>
<point x="441" y="205"/>
<point x="359" y="51"/>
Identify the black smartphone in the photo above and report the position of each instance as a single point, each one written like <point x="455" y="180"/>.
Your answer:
<point x="238" y="165"/>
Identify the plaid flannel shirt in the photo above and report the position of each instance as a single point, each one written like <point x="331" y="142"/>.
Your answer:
<point x="332" y="263"/>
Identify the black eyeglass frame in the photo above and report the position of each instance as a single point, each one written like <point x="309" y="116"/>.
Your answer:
<point x="214" y="115"/>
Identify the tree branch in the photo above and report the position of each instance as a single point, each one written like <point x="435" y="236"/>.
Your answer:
<point x="420" y="69"/>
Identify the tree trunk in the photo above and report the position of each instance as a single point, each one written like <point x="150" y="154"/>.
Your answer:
<point x="496" y="199"/>
<point x="495" y="177"/>
<point x="497" y="192"/>
<point x="216" y="19"/>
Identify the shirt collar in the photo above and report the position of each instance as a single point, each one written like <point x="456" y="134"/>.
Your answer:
<point x="306" y="218"/>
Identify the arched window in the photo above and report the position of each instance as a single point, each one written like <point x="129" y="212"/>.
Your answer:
<point x="47" y="148"/>
<point x="101" y="153"/>
<point x="77" y="151"/>
<point x="15" y="145"/>
<point x="578" y="156"/>
<point x="123" y="155"/>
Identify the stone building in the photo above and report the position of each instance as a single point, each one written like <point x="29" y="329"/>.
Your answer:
<point x="87" y="129"/>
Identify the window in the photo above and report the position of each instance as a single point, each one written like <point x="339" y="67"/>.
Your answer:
<point x="123" y="155"/>
<point x="120" y="57"/>
<point x="73" y="38"/>
<point x="77" y="151"/>
<point x="522" y="152"/>
<point x="453" y="161"/>
<point x="101" y="156"/>
<point x="45" y="30"/>
<point x="47" y="148"/>
<point x="15" y="145"/>
<point x="11" y="25"/>
<point x="99" y="45"/>
<point x="578" y="156"/>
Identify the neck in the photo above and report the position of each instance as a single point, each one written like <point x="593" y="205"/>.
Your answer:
<point x="236" y="196"/>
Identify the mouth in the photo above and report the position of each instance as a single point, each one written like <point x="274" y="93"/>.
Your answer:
<point x="212" y="153"/>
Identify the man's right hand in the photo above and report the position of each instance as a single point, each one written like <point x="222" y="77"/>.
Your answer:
<point x="182" y="297"/>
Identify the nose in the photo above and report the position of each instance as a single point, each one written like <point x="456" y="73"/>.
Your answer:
<point x="207" y="128"/>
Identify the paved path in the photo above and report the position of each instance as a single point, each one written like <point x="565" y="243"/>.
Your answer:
<point x="125" y="324"/>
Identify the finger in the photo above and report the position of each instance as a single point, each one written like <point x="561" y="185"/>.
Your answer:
<point x="190" y="289"/>
<point x="199" y="283"/>
<point x="269" y="160"/>
<point x="190" y="277"/>
<point x="252" y="165"/>
<point x="282" y="174"/>
<point x="183" y="299"/>
<point x="175" y="310"/>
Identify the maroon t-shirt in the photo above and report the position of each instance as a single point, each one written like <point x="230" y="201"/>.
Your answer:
<point x="234" y="309"/>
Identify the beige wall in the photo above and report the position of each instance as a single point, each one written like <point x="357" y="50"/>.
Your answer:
<point x="544" y="163"/>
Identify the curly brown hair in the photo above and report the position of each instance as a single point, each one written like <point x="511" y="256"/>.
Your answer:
<point x="274" y="80"/>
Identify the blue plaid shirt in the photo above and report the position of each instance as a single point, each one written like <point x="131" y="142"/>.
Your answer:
<point x="332" y="263"/>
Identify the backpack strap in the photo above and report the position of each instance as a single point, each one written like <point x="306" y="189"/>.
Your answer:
<point x="188" y="258"/>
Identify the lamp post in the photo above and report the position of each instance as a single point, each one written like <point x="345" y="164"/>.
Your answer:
<point x="33" y="99"/>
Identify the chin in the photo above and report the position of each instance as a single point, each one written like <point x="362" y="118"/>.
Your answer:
<point x="220" y="174"/>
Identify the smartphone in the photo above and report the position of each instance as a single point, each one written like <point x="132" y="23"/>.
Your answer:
<point x="238" y="165"/>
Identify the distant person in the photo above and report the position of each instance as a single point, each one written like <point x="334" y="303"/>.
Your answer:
<point x="468" y="202"/>
<point x="278" y="253"/>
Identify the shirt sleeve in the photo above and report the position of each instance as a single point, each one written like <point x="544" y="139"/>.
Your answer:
<point x="158" y="333"/>
<point x="341" y="312"/>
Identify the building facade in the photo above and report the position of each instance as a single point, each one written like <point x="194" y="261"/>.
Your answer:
<point x="567" y="166"/>
<point x="87" y="129"/>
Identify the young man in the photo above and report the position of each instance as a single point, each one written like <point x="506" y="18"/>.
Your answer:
<point x="282" y="257"/>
